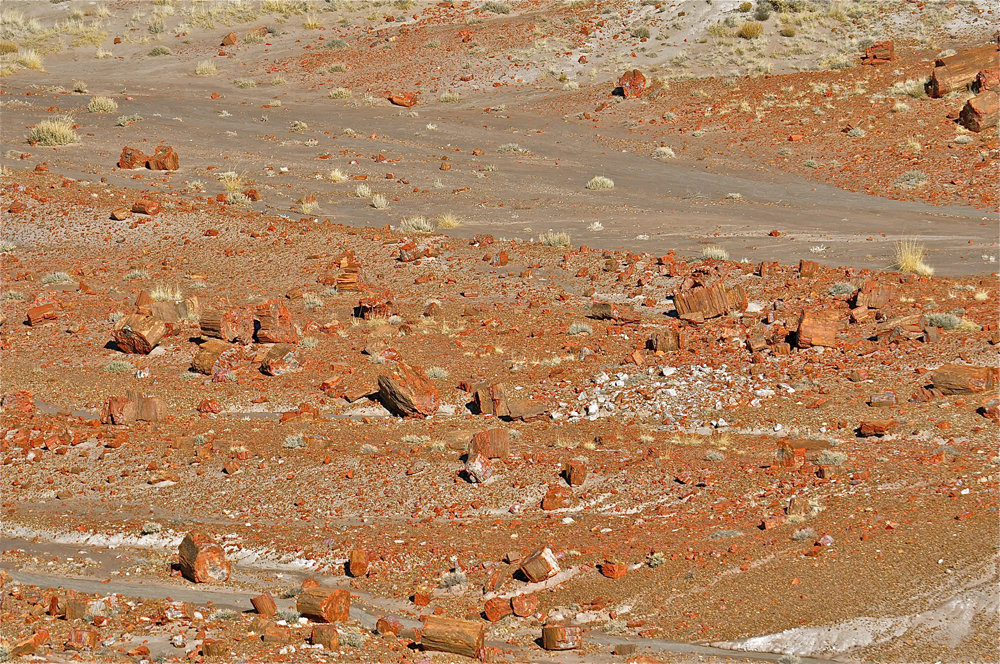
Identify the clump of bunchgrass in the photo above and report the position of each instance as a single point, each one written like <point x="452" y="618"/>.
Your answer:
<point x="119" y="366"/>
<point x="664" y="152"/>
<point x="340" y="93"/>
<point x="380" y="202"/>
<point x="910" y="180"/>
<point x="57" y="278"/>
<point x="437" y="373"/>
<point x="910" y="258"/>
<point x="496" y="7"/>
<point x="554" y="239"/>
<point x="416" y="225"/>
<point x="54" y="131"/>
<point x="206" y="68"/>
<point x="715" y="253"/>
<point x="162" y="293"/>
<point x="160" y="50"/>
<point x="151" y="528"/>
<point x="804" y="534"/>
<point x="600" y="183"/>
<point x="841" y="288"/>
<point x="224" y="614"/>
<point x="245" y="83"/>
<point x="830" y="458"/>
<point x="751" y="30"/>
<point x="450" y="97"/>
<point x="511" y="148"/>
<point x="580" y="328"/>
<point x="294" y="441"/>
<point x="448" y="220"/>
<point x="453" y="578"/>
<point x="126" y="120"/>
<point x="656" y="559"/>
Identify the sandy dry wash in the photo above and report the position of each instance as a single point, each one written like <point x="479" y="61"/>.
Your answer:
<point x="569" y="331"/>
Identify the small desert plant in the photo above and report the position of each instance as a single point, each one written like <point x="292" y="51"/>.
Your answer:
<point x="595" y="227"/>
<point x="380" y="202"/>
<point x="28" y="59"/>
<point x="206" y="68"/>
<point x="663" y="152"/>
<point x="830" y="458"/>
<point x="223" y="614"/>
<point x="57" y="278"/>
<point x="80" y="86"/>
<point x="949" y="322"/>
<point x="856" y="132"/>
<point x="126" y="120"/>
<point x="160" y="50"/>
<point x="600" y="183"/>
<point x="352" y="637"/>
<point x="640" y="32"/>
<point x="312" y="23"/>
<point x="810" y="163"/>
<point x="448" y="220"/>
<point x="13" y="295"/>
<point x="278" y="80"/>
<point x="511" y="148"/>
<point x="336" y="175"/>
<point x="338" y="68"/>
<point x="841" y="288"/>
<point x="54" y="131"/>
<point x="909" y="257"/>
<point x="450" y="97"/>
<point x="231" y="180"/>
<point x="119" y="366"/>
<point x="615" y="627"/>
<point x="437" y="373"/>
<point x="715" y="253"/>
<point x="363" y="191"/>
<point x="713" y="455"/>
<point x="336" y="44"/>
<point x="580" y="328"/>
<point x="552" y="239"/>
<point x="804" y="534"/>
<point x="132" y="275"/>
<point x="290" y="616"/>
<point x="241" y="199"/>
<point x="309" y="342"/>
<point x="751" y="30"/>
<point x="734" y="196"/>
<point x="312" y="301"/>
<point x="415" y="225"/>
<point x="294" y="441"/>
<point x="787" y="31"/>
<point x="496" y="7"/>
<point x="297" y="125"/>
<point x="452" y="579"/>
<point x="340" y="93"/>
<point x="151" y="528"/>
<point x="964" y="139"/>
<point x="900" y="107"/>
<point x="6" y="246"/>
<point x="115" y="316"/>
<point x="656" y="559"/>
<point x="103" y="54"/>
<point x="913" y="88"/>
<point x="245" y="83"/>
<point x="162" y="293"/>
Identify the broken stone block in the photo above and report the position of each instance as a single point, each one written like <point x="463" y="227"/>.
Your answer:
<point x="461" y="637"/>
<point x="540" y="565"/>
<point x="561" y="637"/>
<point x="280" y="360"/>
<point x="137" y="334"/>
<point x="202" y="560"/>
<point x="329" y="605"/>
<point x="557" y="497"/>
<point x="408" y="392"/>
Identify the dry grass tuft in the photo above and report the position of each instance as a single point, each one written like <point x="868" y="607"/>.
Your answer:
<point x="552" y="239"/>
<point x="600" y="183"/>
<point x="206" y="68"/>
<point x="909" y="258"/>
<point x="415" y="225"/>
<point x="448" y="220"/>
<point x="102" y="105"/>
<point x="715" y="253"/>
<point x="54" y="131"/>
